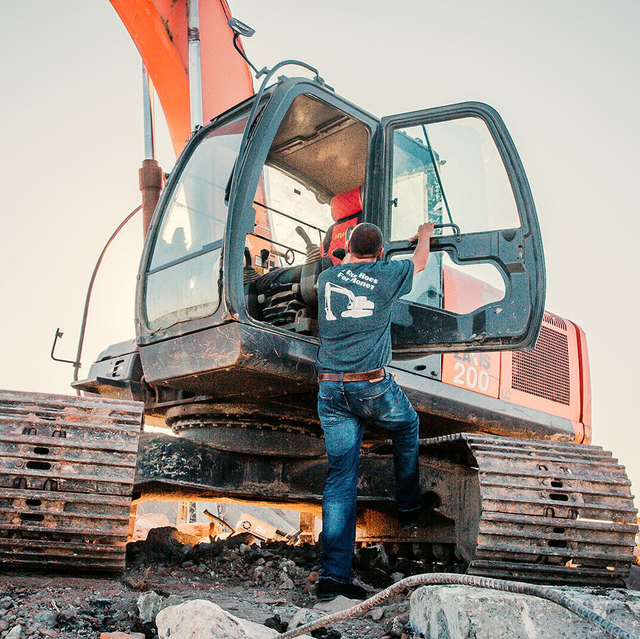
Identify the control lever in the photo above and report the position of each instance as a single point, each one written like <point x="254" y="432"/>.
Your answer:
<point x="303" y="234"/>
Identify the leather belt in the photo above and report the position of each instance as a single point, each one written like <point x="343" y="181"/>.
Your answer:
<point x="351" y="377"/>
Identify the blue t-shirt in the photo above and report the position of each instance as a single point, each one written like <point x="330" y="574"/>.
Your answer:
<point x="354" y="313"/>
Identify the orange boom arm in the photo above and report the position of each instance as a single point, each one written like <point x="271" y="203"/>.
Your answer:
<point x="159" y="30"/>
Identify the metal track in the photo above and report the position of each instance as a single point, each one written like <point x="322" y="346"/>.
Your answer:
<point x="552" y="512"/>
<point x="67" y="467"/>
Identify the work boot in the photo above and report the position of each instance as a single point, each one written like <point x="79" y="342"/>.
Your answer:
<point x="329" y="589"/>
<point x="411" y="519"/>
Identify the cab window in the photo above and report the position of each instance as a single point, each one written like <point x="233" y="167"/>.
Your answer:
<point x="451" y="173"/>
<point x="183" y="272"/>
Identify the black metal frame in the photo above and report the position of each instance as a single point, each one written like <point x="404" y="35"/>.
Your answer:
<point x="506" y="324"/>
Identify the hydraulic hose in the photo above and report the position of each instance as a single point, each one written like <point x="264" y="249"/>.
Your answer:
<point x="544" y="592"/>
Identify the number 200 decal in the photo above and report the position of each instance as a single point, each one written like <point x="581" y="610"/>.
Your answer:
<point x="470" y="377"/>
<point x="478" y="372"/>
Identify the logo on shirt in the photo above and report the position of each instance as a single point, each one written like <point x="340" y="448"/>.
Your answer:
<point x="360" y="279"/>
<point x="357" y="305"/>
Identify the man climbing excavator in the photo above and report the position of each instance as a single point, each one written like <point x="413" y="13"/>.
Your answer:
<point x="227" y="361"/>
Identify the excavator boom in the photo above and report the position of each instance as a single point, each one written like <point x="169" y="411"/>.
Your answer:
<point x="160" y="32"/>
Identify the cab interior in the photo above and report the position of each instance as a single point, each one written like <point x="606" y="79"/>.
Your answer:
<point x="308" y="197"/>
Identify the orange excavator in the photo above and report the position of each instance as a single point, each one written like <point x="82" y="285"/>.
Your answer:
<point x="265" y="190"/>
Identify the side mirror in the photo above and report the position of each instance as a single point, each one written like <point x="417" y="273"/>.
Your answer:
<point x="240" y="28"/>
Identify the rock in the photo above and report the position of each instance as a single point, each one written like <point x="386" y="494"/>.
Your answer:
<point x="396" y="577"/>
<point x="370" y="557"/>
<point x="264" y="574"/>
<point x="240" y="539"/>
<point x="397" y="629"/>
<point x="403" y="618"/>
<point x="15" y="632"/>
<point x="304" y="616"/>
<point x="206" y="550"/>
<point x="199" y="619"/>
<point x="276" y="623"/>
<point x="229" y="556"/>
<point x="335" y="605"/>
<point x="162" y="544"/>
<point x="286" y="584"/>
<point x="377" y="614"/>
<point x="373" y="565"/>
<point x="398" y="625"/>
<point x="121" y="635"/>
<point x="151" y="603"/>
<point x="460" y="612"/>
<point x="45" y="618"/>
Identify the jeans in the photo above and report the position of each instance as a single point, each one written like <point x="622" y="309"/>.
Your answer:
<point x="344" y="408"/>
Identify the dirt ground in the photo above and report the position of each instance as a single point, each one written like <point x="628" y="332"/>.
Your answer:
<point x="256" y="583"/>
<point x="266" y="584"/>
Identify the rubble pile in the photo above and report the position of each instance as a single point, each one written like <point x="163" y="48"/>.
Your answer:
<point x="25" y="613"/>
<point x="237" y="559"/>
<point x="276" y="563"/>
<point x="271" y="584"/>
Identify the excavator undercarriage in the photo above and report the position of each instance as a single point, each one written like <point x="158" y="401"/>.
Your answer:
<point x="536" y="511"/>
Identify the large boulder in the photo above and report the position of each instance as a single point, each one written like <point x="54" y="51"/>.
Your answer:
<point x="462" y="612"/>
<point x="199" y="619"/>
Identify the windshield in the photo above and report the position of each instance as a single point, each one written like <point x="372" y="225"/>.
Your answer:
<point x="182" y="280"/>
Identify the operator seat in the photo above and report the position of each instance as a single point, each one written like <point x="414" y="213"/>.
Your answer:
<point x="346" y="211"/>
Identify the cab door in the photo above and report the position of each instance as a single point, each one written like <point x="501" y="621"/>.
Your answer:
<point x="484" y="286"/>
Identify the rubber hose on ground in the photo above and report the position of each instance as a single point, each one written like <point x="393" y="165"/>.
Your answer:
<point x="543" y="592"/>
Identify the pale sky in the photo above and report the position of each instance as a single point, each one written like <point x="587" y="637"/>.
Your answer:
<point x="562" y="73"/>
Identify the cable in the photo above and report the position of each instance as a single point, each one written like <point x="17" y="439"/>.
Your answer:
<point x="611" y="629"/>
<point x="85" y="314"/>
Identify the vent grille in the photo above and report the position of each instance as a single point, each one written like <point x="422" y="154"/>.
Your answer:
<point x="544" y="371"/>
<point x="554" y="320"/>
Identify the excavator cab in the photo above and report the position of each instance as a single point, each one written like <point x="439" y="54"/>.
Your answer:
<point x="227" y="286"/>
